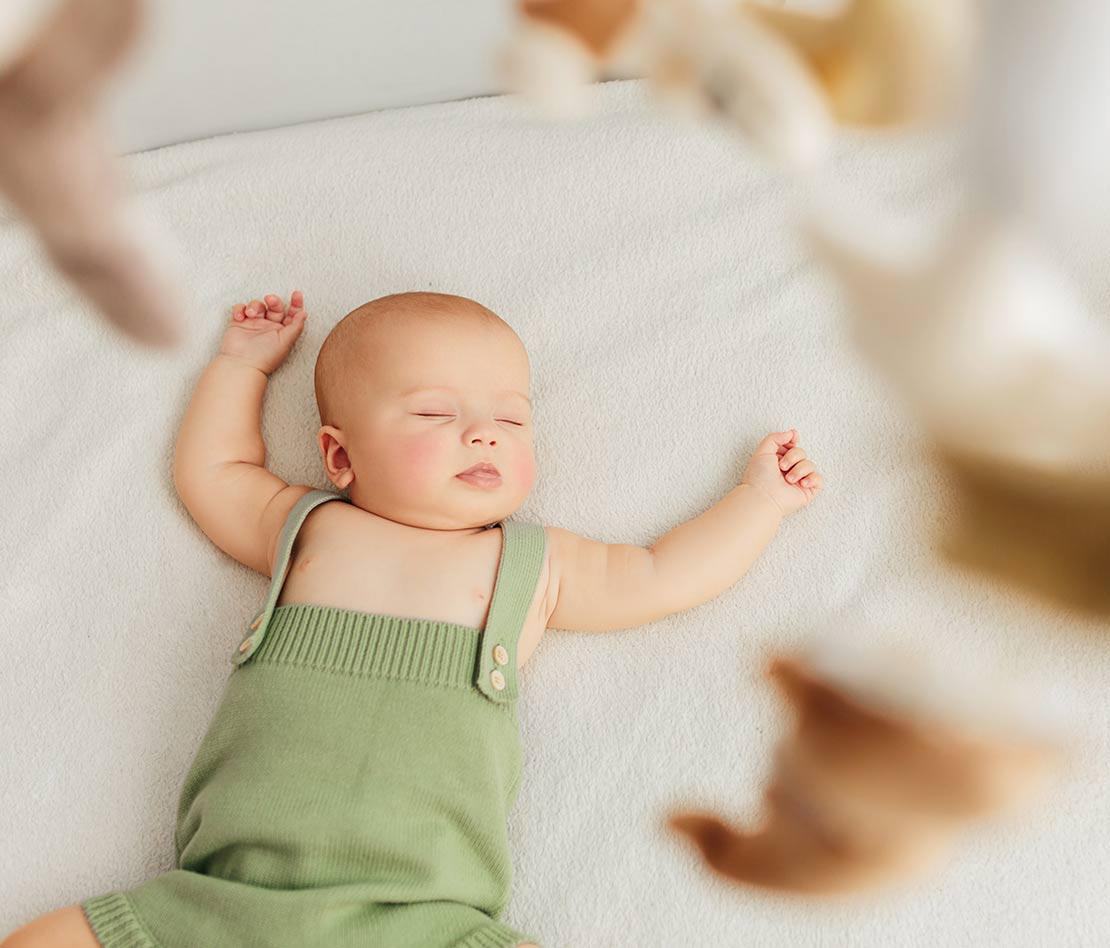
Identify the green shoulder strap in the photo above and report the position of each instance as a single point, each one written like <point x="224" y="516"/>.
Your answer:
<point x="257" y="630"/>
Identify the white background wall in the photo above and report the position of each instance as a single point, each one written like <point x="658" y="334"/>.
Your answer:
<point x="207" y="67"/>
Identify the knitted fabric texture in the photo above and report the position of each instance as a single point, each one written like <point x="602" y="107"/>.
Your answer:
<point x="354" y="786"/>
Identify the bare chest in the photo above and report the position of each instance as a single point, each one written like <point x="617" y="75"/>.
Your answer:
<point x="354" y="560"/>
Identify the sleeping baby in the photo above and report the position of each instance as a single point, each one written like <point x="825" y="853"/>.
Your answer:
<point x="354" y="785"/>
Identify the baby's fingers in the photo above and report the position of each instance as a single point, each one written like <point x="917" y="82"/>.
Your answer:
<point x="774" y="442"/>
<point x="813" y="481"/>
<point x="275" y="309"/>
<point x="792" y="457"/>
<point x="800" y="470"/>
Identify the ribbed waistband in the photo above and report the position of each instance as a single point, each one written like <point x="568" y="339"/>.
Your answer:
<point x="363" y="643"/>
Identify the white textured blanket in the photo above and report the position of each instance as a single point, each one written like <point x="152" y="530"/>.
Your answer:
<point x="674" y="317"/>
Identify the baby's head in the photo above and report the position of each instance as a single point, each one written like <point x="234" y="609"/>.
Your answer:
<point x="388" y="366"/>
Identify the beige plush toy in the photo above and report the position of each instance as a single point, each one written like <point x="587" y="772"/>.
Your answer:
<point x="58" y="168"/>
<point x="884" y="770"/>
<point x="782" y="76"/>
<point x="992" y="351"/>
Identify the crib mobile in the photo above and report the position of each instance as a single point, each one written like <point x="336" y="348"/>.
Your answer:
<point x="986" y="343"/>
<point x="58" y="167"/>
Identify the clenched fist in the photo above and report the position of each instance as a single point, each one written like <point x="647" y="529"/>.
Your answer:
<point x="781" y="471"/>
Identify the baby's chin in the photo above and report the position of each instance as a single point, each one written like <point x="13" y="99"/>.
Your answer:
<point x="436" y="518"/>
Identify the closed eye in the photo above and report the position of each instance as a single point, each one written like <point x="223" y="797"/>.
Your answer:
<point x="506" y="420"/>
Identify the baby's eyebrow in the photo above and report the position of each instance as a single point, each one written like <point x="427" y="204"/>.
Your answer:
<point x="447" y="388"/>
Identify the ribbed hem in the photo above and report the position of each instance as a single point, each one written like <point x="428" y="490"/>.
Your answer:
<point x="496" y="936"/>
<point x="364" y="643"/>
<point x="114" y="922"/>
<point x="116" y="925"/>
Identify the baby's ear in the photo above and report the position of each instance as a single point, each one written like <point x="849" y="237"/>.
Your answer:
<point x="337" y="463"/>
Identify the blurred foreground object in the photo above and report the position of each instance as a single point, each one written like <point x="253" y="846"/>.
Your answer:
<point x="58" y="168"/>
<point x="888" y="763"/>
<point x="782" y="77"/>
<point x="993" y="353"/>
<point x="988" y="343"/>
<point x="1041" y="142"/>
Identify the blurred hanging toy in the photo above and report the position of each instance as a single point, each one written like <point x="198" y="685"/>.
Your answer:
<point x="886" y="767"/>
<point x="993" y="352"/>
<point x="782" y="77"/>
<point x="58" y="168"/>
<point x="988" y="342"/>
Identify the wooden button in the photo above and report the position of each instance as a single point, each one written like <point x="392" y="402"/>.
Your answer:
<point x="500" y="655"/>
<point x="257" y="620"/>
<point x="246" y="644"/>
<point x="497" y="679"/>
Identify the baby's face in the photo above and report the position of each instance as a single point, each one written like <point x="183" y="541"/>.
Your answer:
<point x="435" y="402"/>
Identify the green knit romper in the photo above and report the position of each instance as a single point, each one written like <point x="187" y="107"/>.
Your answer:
<point x="354" y="786"/>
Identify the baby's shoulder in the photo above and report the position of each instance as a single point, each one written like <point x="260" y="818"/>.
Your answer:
<point x="276" y="516"/>
<point x="559" y="548"/>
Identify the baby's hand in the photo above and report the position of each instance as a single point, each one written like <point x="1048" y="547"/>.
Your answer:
<point x="261" y="334"/>
<point x="781" y="470"/>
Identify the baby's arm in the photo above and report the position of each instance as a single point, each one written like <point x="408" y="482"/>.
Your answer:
<point x="598" y="587"/>
<point x="219" y="462"/>
<point x="700" y="559"/>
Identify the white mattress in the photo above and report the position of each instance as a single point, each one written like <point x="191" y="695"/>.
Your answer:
<point x="674" y="317"/>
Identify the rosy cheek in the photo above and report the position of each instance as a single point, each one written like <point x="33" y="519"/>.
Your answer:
<point x="525" y="469"/>
<point x="420" y="456"/>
